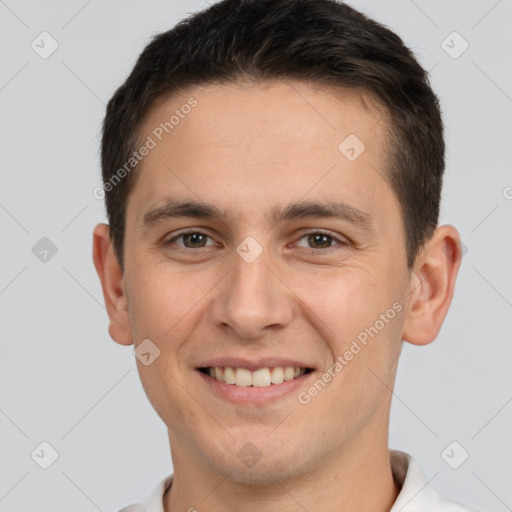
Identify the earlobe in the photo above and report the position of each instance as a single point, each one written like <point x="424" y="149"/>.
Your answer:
<point x="432" y="286"/>
<point x="111" y="277"/>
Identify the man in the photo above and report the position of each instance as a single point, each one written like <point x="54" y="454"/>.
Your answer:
<point x="273" y="171"/>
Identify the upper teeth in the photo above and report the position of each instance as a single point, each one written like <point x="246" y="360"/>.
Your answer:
<point x="260" y="378"/>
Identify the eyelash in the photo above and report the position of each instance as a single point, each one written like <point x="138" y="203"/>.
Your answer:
<point x="341" y="243"/>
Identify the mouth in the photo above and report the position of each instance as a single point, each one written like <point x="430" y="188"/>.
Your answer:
<point x="260" y="377"/>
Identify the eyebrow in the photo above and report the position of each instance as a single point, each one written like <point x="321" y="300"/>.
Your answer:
<point x="180" y="208"/>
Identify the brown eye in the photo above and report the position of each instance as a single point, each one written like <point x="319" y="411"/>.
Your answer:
<point x="323" y="241"/>
<point x="320" y="240"/>
<point x="191" y="240"/>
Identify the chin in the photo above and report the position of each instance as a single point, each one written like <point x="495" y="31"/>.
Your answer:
<point x="250" y="466"/>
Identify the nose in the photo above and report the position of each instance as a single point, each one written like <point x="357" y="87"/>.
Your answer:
<point x="253" y="300"/>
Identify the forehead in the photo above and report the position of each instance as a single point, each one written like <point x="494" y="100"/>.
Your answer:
<point x="250" y="144"/>
<point x="228" y="113"/>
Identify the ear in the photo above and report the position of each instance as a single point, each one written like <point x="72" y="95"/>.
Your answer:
<point x="111" y="277"/>
<point x="432" y="285"/>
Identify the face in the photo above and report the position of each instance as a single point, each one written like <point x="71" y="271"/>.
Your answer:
<point x="268" y="274"/>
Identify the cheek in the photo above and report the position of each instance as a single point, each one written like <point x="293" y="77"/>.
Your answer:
<point x="165" y="392"/>
<point x="343" y="303"/>
<point x="359" y="319"/>
<point x="161" y="301"/>
<point x="359" y="316"/>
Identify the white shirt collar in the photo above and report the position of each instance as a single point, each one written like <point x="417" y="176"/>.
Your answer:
<point x="416" y="495"/>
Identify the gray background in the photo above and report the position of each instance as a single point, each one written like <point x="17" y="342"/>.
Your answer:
<point x="64" y="381"/>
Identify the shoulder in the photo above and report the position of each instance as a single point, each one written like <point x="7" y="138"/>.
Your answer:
<point x="155" y="502"/>
<point x="417" y="494"/>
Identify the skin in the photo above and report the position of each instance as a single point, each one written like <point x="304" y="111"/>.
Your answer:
<point x="246" y="149"/>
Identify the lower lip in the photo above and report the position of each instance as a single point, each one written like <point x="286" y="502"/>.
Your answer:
<point x="253" y="394"/>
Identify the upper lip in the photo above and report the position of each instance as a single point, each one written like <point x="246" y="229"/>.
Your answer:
<point x="253" y="364"/>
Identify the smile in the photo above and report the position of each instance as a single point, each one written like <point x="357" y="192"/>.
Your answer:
<point x="261" y="377"/>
